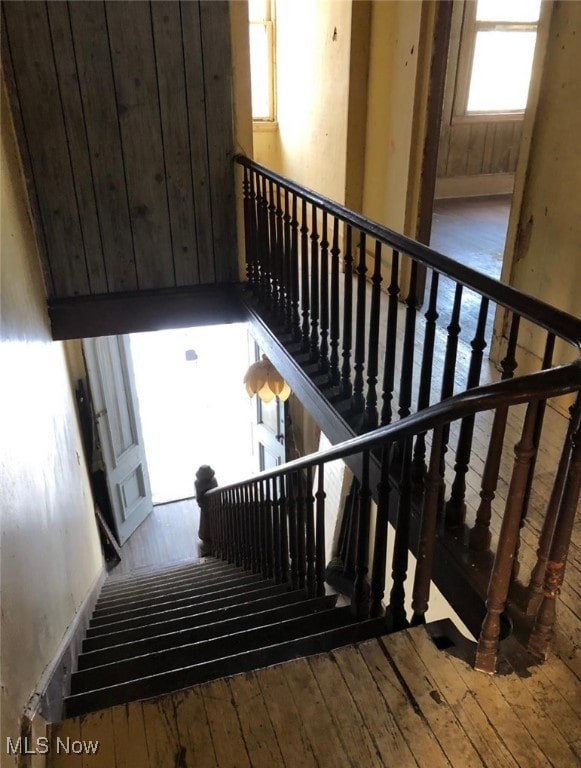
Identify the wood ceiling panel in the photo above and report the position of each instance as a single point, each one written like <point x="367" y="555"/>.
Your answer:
<point x="124" y="116"/>
<point x="91" y="45"/>
<point x="30" y="49"/>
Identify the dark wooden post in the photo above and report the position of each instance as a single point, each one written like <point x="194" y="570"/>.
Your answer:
<point x="334" y="372"/>
<point x="555" y="569"/>
<point x="288" y="264"/>
<point x="276" y="543"/>
<point x="371" y="414"/>
<point x="283" y="516"/>
<point x="546" y="537"/>
<point x="456" y="508"/>
<point x="273" y="252"/>
<point x="320" y="531"/>
<point x="419" y="467"/>
<point x="358" y="399"/>
<point x="381" y="528"/>
<point x="391" y="340"/>
<point x="423" y="577"/>
<point x="314" y="337"/>
<point x="324" y="297"/>
<point x="487" y="650"/>
<point x="301" y="542"/>
<point x="293" y="495"/>
<point x="205" y="480"/>
<point x="397" y="609"/>
<point x="346" y="385"/>
<point x="479" y="539"/>
<point x="310" y="534"/>
<point x="296" y="318"/>
<point x="305" y="301"/>
<point x="360" y="597"/>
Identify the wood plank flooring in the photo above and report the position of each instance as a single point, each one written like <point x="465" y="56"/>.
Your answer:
<point x="396" y="701"/>
<point x="167" y="536"/>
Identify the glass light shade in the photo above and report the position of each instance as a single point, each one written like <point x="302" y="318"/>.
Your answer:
<point x="275" y="381"/>
<point x="285" y="394"/>
<point x="264" y="380"/>
<point x="266" y="394"/>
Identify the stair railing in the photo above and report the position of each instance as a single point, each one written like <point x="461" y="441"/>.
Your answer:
<point x="317" y="272"/>
<point x="274" y="522"/>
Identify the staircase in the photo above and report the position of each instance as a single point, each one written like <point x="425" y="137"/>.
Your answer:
<point x="169" y="629"/>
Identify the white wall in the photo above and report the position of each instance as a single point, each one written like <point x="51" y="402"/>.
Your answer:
<point x="50" y="551"/>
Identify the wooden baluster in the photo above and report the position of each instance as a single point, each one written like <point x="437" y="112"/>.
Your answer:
<point x="407" y="365"/>
<point x="479" y="538"/>
<point x="346" y="385"/>
<point x="288" y="264"/>
<point x="246" y="527"/>
<point x="293" y="491"/>
<point x="546" y="537"/>
<point x="360" y="596"/>
<point x="269" y="530"/>
<point x="237" y="527"/>
<point x="254" y="275"/>
<point x="281" y="266"/>
<point x="264" y="242"/>
<point x="350" y="548"/>
<point x="324" y="298"/>
<point x="283" y="517"/>
<point x="305" y="300"/>
<point x="540" y="637"/>
<point x="248" y="246"/>
<point x="320" y="561"/>
<point x="315" y="287"/>
<point x="547" y="362"/>
<point x="456" y="508"/>
<point x="301" y="526"/>
<point x="371" y="413"/>
<point x="358" y="399"/>
<point x="294" y="258"/>
<point x="448" y="378"/>
<point x="487" y="650"/>
<point x="425" y="559"/>
<point x="310" y="534"/>
<point x="334" y="372"/>
<point x="391" y="340"/>
<point x="381" y="527"/>
<point x="397" y="610"/>
<point x="431" y="316"/>
<point x="227" y="543"/>
<point x="277" y="566"/>
<point x="273" y="252"/>
<point x="263" y="532"/>
<point x="254" y="529"/>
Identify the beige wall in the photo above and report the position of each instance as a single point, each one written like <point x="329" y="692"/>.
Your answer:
<point x="312" y="59"/>
<point x="393" y="57"/>
<point x="543" y="251"/>
<point x="50" y="552"/>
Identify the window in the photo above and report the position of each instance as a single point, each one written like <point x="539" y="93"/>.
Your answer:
<point x="261" y="59"/>
<point x="496" y="57"/>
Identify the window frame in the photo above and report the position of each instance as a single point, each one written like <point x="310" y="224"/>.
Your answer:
<point x="268" y="23"/>
<point x="470" y="28"/>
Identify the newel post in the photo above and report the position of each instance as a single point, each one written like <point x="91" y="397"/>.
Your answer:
<point x="205" y="481"/>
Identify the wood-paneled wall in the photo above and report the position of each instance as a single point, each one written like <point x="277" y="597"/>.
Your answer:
<point x="124" y="116"/>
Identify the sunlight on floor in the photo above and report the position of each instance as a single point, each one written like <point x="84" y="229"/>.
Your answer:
<point x="193" y="411"/>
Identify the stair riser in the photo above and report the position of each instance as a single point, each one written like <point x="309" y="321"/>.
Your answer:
<point x="148" y="610"/>
<point x="135" y="583"/>
<point x="204" y="632"/>
<point x="201" y="673"/>
<point x="205" y="651"/>
<point x="187" y="610"/>
<point x="180" y="592"/>
<point x="237" y="610"/>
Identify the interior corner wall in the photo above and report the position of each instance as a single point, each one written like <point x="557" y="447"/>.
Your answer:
<point x="393" y="63"/>
<point x="313" y="42"/>
<point x="543" y="248"/>
<point x="50" y="550"/>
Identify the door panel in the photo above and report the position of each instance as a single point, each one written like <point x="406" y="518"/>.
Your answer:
<point x="116" y="412"/>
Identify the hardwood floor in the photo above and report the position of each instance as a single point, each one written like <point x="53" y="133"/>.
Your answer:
<point x="393" y="701"/>
<point x="168" y="535"/>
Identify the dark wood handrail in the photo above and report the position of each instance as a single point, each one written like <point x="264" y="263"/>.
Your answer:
<point x="561" y="380"/>
<point x="554" y="320"/>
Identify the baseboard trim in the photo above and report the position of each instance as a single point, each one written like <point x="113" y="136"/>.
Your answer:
<point x="475" y="186"/>
<point x="47" y="702"/>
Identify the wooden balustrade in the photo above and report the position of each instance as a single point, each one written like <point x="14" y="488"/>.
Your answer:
<point x="381" y="361"/>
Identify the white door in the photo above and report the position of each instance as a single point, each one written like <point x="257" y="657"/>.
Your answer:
<point x="116" y="413"/>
